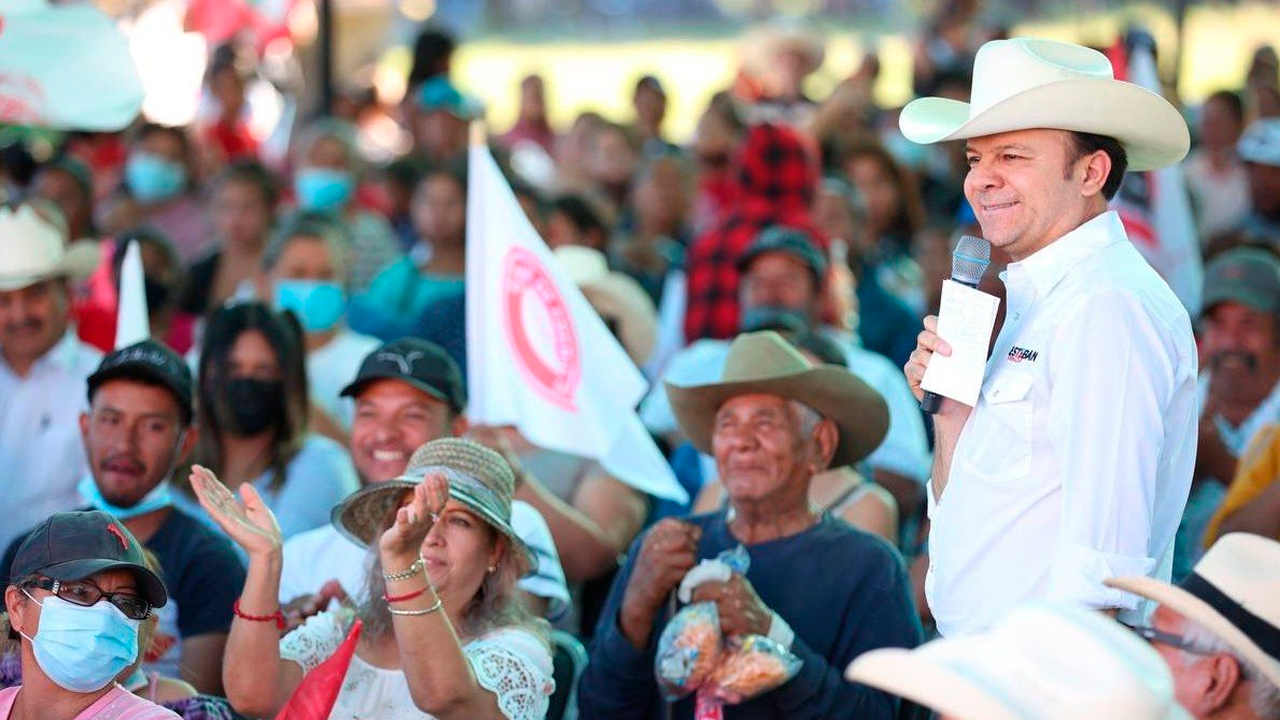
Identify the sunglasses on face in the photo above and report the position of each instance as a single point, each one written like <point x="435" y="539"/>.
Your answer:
<point x="86" y="594"/>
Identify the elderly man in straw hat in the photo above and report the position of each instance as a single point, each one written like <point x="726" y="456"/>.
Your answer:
<point x="1219" y="630"/>
<point x="43" y="367"/>
<point x="818" y="586"/>
<point x="1043" y="661"/>
<point x="1075" y="463"/>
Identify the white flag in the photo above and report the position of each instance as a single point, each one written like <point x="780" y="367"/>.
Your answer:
<point x="133" y="324"/>
<point x="65" y="67"/>
<point x="538" y="355"/>
<point x="1156" y="208"/>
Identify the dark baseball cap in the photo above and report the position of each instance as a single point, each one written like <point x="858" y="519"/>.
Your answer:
<point x="74" y="546"/>
<point x="423" y="365"/>
<point x="796" y="243"/>
<point x="1247" y="275"/>
<point x="153" y="361"/>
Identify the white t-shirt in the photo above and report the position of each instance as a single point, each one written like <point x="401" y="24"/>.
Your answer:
<point x="333" y="367"/>
<point x="313" y="558"/>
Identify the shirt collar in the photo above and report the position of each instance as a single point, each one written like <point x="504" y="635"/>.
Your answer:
<point x="1050" y="264"/>
<point x="63" y="355"/>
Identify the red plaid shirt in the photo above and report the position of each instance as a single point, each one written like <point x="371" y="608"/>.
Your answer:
<point x="778" y="178"/>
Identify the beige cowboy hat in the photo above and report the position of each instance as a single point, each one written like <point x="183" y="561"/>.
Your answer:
<point x="1233" y="592"/>
<point x="762" y="44"/>
<point x="762" y="362"/>
<point x="478" y="478"/>
<point x="32" y="250"/>
<point x="1028" y="83"/>
<point x="1040" y="662"/>
<point x="616" y="297"/>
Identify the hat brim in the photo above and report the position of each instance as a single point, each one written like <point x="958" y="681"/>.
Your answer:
<point x="152" y="590"/>
<point x="78" y="262"/>
<point x="937" y="687"/>
<point x="365" y="514"/>
<point x="1216" y="293"/>
<point x="360" y="383"/>
<point x="182" y="395"/>
<point x="1203" y="614"/>
<point x="859" y="412"/>
<point x="1150" y="129"/>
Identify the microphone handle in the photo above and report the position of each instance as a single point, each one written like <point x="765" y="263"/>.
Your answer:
<point x="932" y="401"/>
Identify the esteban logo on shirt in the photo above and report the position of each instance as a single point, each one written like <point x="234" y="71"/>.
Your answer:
<point x="1017" y="354"/>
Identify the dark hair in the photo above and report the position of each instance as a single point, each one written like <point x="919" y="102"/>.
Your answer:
<point x="431" y="52"/>
<point x="910" y="216"/>
<point x="1233" y="101"/>
<point x="149" y="129"/>
<point x="148" y="235"/>
<point x="284" y="335"/>
<point x="252" y="173"/>
<point x="311" y="225"/>
<point x="584" y="216"/>
<point x="1083" y="144"/>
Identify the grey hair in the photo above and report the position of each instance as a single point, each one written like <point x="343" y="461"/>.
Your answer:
<point x="806" y="417"/>
<point x="1264" y="695"/>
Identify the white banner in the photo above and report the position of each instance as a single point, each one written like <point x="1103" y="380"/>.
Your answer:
<point x="538" y="355"/>
<point x="65" y="67"/>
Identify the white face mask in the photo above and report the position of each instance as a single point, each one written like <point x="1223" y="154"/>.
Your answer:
<point x="82" y="649"/>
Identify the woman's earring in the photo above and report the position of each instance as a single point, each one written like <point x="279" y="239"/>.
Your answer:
<point x="492" y="568"/>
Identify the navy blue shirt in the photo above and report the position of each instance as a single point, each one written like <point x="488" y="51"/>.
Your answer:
<point x="842" y="591"/>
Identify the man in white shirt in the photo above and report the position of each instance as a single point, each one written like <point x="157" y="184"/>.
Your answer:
<point x="43" y="367"/>
<point x="406" y="394"/>
<point x="1075" y="463"/>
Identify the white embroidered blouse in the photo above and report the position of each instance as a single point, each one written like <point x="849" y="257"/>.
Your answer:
<point x="511" y="663"/>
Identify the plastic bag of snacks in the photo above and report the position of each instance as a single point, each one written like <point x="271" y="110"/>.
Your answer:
<point x="688" y="650"/>
<point x="751" y="665"/>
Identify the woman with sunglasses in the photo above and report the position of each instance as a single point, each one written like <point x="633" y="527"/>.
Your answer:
<point x="81" y="591"/>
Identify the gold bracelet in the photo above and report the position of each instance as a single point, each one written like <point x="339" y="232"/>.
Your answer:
<point x="426" y="611"/>
<point x="407" y="573"/>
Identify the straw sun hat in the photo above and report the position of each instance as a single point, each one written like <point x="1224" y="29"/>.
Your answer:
<point x="1028" y="83"/>
<point x="478" y="478"/>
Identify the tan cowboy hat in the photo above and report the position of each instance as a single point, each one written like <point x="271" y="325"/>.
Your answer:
<point x="1040" y="662"/>
<point x="1233" y="592"/>
<point x="615" y="296"/>
<point x="763" y="43"/>
<point x="762" y="362"/>
<point x="478" y="478"/>
<point x="32" y="250"/>
<point x="1027" y="83"/>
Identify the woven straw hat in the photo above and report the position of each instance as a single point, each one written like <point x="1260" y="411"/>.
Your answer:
<point x="478" y="478"/>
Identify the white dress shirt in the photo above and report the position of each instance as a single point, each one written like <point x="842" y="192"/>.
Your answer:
<point x="1076" y="462"/>
<point x="41" y="452"/>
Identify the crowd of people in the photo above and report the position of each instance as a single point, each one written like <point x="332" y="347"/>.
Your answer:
<point x="284" y="473"/>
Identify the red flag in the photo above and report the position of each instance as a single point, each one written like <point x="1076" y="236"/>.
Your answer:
<point x="318" y="691"/>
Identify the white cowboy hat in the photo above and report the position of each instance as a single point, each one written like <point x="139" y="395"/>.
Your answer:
<point x="32" y="250"/>
<point x="1040" y="662"/>
<point x="1233" y="592"/>
<point x="615" y="297"/>
<point x="1028" y="83"/>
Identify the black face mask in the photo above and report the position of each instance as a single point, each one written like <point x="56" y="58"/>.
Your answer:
<point x="251" y="406"/>
<point x="157" y="294"/>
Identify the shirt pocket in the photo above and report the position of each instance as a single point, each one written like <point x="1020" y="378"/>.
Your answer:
<point x="1000" y="449"/>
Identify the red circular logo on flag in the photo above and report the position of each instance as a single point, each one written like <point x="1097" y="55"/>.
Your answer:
<point x="540" y="329"/>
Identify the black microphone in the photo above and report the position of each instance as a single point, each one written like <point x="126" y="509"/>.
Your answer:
<point x="968" y="263"/>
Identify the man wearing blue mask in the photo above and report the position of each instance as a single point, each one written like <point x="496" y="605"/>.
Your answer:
<point x="80" y="592"/>
<point x="305" y="271"/>
<point x="137" y="431"/>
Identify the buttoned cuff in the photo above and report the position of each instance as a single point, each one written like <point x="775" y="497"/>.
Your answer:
<point x="1079" y="572"/>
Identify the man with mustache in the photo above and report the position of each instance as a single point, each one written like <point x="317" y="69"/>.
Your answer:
<point x="42" y="371"/>
<point x="136" y="432"/>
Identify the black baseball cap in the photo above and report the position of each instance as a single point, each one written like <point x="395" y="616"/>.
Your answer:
<point x="72" y="546"/>
<point x="423" y="365"/>
<point x="149" y="360"/>
<point x="796" y="243"/>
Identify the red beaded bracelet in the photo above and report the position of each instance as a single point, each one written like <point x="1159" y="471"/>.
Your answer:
<point x="402" y="598"/>
<point x="278" y="617"/>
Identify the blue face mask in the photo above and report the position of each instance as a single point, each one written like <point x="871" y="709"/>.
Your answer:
<point x="83" y="649"/>
<point x="151" y="178"/>
<point x="323" y="188"/>
<point x="318" y="305"/>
